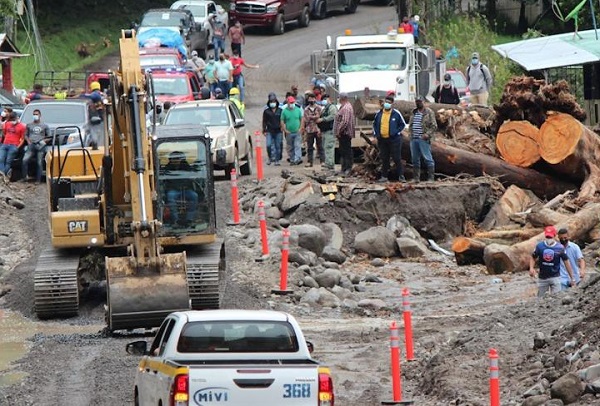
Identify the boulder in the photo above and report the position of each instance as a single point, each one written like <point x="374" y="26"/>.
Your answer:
<point x="334" y="235"/>
<point x="349" y="304"/>
<point x="273" y="213"/>
<point x="535" y="390"/>
<point x="302" y="256"/>
<point x="310" y="237"/>
<point x="310" y="282"/>
<point x="410" y="248"/>
<point x="328" y="299"/>
<point x="342" y="293"/>
<point x="377" y="242"/>
<point x="346" y="283"/>
<point x="295" y="195"/>
<point x="567" y="388"/>
<point x="333" y="254"/>
<point x="374" y="304"/>
<point x="311" y="297"/>
<point x="377" y="262"/>
<point x="590" y="374"/>
<point x="537" y="400"/>
<point x="329" y="278"/>
<point x="330" y="265"/>
<point x="401" y="227"/>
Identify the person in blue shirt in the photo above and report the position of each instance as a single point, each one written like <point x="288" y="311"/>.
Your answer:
<point x="575" y="260"/>
<point x="414" y="21"/>
<point x="387" y="127"/>
<point x="548" y="254"/>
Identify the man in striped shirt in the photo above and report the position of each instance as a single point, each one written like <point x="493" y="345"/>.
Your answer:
<point x="422" y="127"/>
<point x="343" y="128"/>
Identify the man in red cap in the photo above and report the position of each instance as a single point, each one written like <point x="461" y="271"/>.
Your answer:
<point x="548" y="254"/>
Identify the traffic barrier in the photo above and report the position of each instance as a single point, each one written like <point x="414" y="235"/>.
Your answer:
<point x="263" y="229"/>
<point x="494" y="378"/>
<point x="396" y="376"/>
<point x="285" y="252"/>
<point x="259" y="163"/>
<point x="408" y="334"/>
<point x="235" y="201"/>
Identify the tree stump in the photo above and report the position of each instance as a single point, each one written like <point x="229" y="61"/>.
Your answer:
<point x="517" y="143"/>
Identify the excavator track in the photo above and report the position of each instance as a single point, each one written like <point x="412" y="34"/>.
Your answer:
<point x="56" y="285"/>
<point x="204" y="268"/>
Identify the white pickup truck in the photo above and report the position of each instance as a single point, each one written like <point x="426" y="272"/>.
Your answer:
<point x="230" y="357"/>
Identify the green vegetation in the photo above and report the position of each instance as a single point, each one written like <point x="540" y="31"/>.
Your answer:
<point x="459" y="36"/>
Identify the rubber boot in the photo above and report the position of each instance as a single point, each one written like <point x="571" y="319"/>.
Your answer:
<point x="416" y="175"/>
<point x="430" y="174"/>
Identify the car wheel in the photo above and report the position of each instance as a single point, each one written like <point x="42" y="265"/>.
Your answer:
<point x="321" y="10"/>
<point x="234" y="165"/>
<point x="246" y="168"/>
<point x="351" y="9"/>
<point x="304" y="19"/>
<point x="279" y="26"/>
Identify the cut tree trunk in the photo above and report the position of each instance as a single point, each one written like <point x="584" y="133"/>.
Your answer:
<point x="503" y="258"/>
<point x="453" y="161"/>
<point x="518" y="234"/>
<point x="468" y="251"/>
<point x="545" y="217"/>
<point x="572" y="150"/>
<point x="517" y="143"/>
<point x="514" y="200"/>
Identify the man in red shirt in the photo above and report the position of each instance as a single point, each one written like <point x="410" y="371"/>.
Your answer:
<point x="238" y="78"/>
<point x="12" y="139"/>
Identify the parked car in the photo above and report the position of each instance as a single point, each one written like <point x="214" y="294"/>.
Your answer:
<point x="180" y="20"/>
<point x="459" y="81"/>
<point x="175" y="85"/>
<point x="271" y="13"/>
<point x="160" y="57"/>
<point x="322" y="7"/>
<point x="231" y="141"/>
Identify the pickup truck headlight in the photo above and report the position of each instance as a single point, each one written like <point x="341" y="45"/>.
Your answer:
<point x="221" y="142"/>
<point x="273" y="8"/>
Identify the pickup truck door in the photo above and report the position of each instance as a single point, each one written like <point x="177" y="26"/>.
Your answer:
<point x="157" y="384"/>
<point x="292" y="9"/>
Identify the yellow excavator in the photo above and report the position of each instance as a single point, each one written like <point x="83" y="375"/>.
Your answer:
<point x="145" y="199"/>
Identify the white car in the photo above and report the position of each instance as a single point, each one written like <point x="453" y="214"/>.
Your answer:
<point x="201" y="9"/>
<point x="231" y="143"/>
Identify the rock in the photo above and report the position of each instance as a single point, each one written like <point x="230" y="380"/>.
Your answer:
<point x="342" y="293"/>
<point x="333" y="255"/>
<point x="295" y="195"/>
<point x="310" y="237"/>
<point x="273" y="213"/>
<point x="329" y="278"/>
<point x="410" y="248"/>
<point x="328" y="299"/>
<point x="567" y="300"/>
<point x="350" y="304"/>
<point x="311" y="297"/>
<point x="551" y="375"/>
<point x="536" y="400"/>
<point x="372" y="278"/>
<point x="16" y="203"/>
<point x="554" y="402"/>
<point x="401" y="227"/>
<point x="359" y="288"/>
<point x="539" y="340"/>
<point x="567" y="388"/>
<point x="304" y="268"/>
<point x="334" y="235"/>
<point x="346" y="283"/>
<point x="535" y="390"/>
<point x="355" y="279"/>
<point x="376" y="241"/>
<point x="377" y="262"/>
<point x="302" y="257"/>
<point x="590" y="374"/>
<point x="375" y="304"/>
<point x="283" y="222"/>
<point x="310" y="282"/>
<point x="593" y="387"/>
<point x="331" y="265"/>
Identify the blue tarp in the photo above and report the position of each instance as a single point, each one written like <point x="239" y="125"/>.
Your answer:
<point x="164" y="37"/>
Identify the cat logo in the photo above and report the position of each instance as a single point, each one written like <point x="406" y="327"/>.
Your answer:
<point x="77" y="226"/>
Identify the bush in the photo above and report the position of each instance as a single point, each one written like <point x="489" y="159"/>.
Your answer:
<point x="467" y="34"/>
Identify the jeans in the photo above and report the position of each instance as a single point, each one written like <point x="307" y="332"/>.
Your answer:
<point x="7" y="156"/>
<point x="551" y="285"/>
<point x="213" y="87"/>
<point x="329" y="148"/>
<point x="346" y="157"/>
<point x="294" y="147"/>
<point x="421" y="149"/>
<point x="219" y="45"/>
<point x="238" y="81"/>
<point x="311" y="140"/>
<point x="175" y="197"/>
<point x="225" y="87"/>
<point x="37" y="150"/>
<point x="236" y="47"/>
<point x="390" y="148"/>
<point x="274" y="146"/>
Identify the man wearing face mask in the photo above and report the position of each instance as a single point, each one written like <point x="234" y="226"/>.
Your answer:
<point x="479" y="81"/>
<point x="210" y="74"/>
<point x="446" y="93"/>
<point x="548" y="254"/>
<point x="271" y="124"/>
<point x="422" y="127"/>
<point x="13" y="137"/>
<point x="387" y="127"/>
<point x="575" y="260"/>
<point x="37" y="136"/>
<point x="224" y="73"/>
<point x="292" y="120"/>
<point x="311" y="130"/>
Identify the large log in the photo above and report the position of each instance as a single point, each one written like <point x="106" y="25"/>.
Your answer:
<point x="513" y="200"/>
<point x="545" y="217"/>
<point x="468" y="251"/>
<point x="454" y="161"/>
<point x="366" y="108"/>
<point x="500" y="258"/>
<point x="517" y="234"/>
<point x="517" y="143"/>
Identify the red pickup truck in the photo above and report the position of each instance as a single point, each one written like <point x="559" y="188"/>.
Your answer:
<point x="271" y="13"/>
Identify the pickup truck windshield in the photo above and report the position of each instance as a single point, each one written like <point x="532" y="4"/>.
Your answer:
<point x="238" y="337"/>
<point x="171" y="86"/>
<point x="163" y="19"/>
<point x="56" y="113"/>
<point x="209" y="116"/>
<point x="149" y="61"/>
<point x="359" y="60"/>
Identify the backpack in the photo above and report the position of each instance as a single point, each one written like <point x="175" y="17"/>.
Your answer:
<point x="482" y="72"/>
<point x="438" y="90"/>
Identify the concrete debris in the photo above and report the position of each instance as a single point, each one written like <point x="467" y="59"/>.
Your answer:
<point x="411" y="248"/>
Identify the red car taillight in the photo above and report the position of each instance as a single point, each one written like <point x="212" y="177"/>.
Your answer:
<point x="326" y="397"/>
<point x="179" y="391"/>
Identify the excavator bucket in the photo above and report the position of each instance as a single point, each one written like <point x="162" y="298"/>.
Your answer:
<point x="140" y="296"/>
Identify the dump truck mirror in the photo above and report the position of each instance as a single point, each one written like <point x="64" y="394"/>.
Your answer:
<point x="137" y="348"/>
<point x="328" y="41"/>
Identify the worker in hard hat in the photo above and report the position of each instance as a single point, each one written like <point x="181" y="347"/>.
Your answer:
<point x="234" y="96"/>
<point x="97" y="97"/>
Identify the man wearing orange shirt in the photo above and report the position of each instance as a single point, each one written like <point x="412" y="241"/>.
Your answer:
<point x="12" y="139"/>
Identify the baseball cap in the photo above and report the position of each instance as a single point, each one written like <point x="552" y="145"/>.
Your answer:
<point x="218" y="90"/>
<point x="343" y="95"/>
<point x="417" y="18"/>
<point x="447" y="76"/>
<point x="475" y="55"/>
<point x="549" y="232"/>
<point x="290" y="99"/>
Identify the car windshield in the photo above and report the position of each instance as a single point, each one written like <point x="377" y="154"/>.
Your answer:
<point x="163" y="19"/>
<point x="197" y="11"/>
<point x="458" y="80"/>
<point x="56" y="113"/>
<point x="210" y="116"/>
<point x="171" y="86"/>
<point x="237" y="336"/>
<point x="359" y="60"/>
<point x="149" y="61"/>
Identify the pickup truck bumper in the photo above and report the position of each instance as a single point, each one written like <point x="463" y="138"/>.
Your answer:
<point x="267" y="19"/>
<point x="223" y="157"/>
